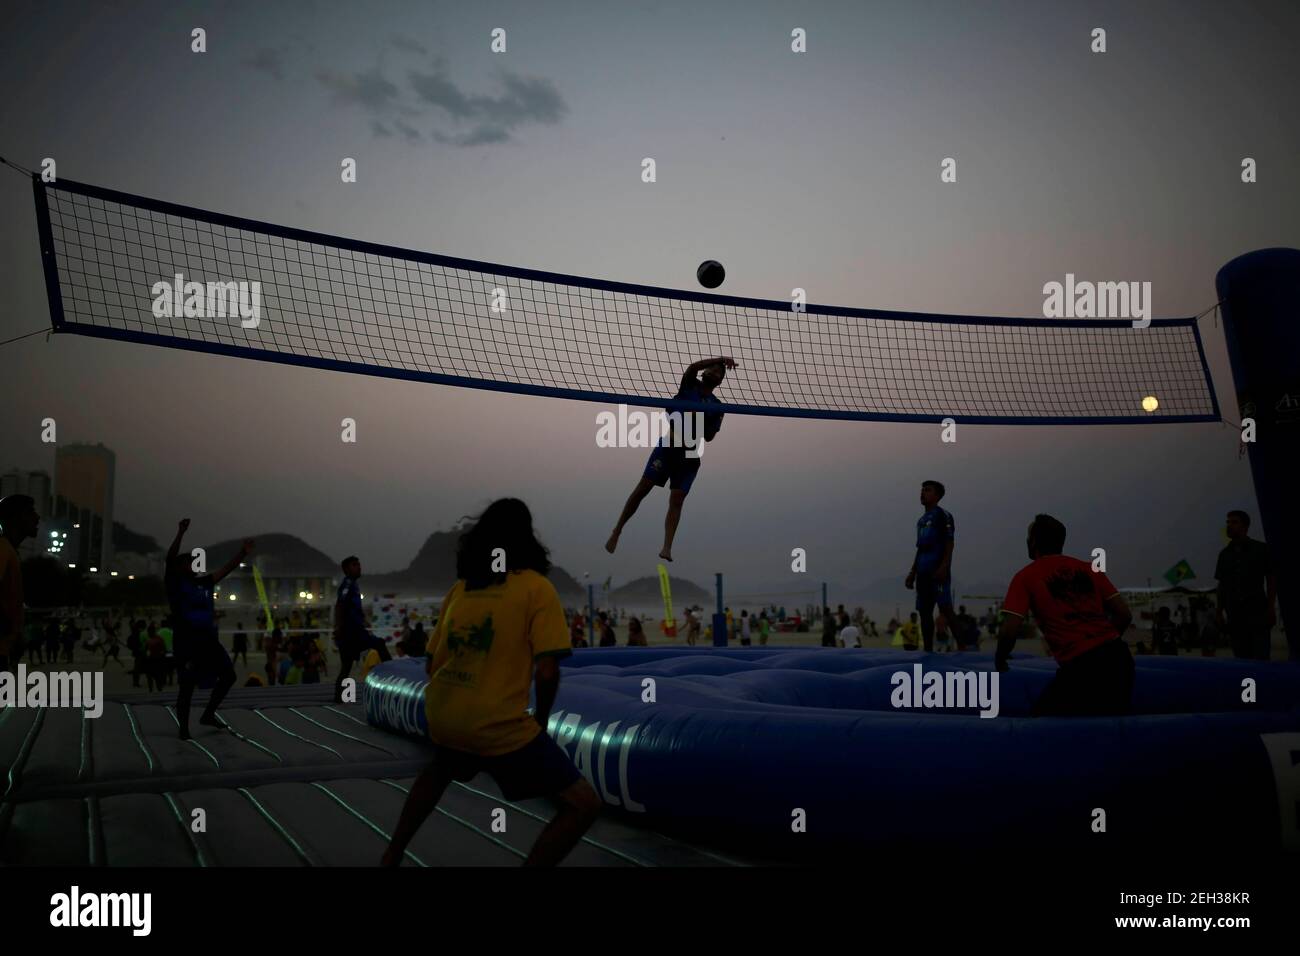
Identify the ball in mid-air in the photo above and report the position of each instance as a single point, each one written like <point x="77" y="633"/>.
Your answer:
<point x="1150" y="403"/>
<point x="710" y="273"/>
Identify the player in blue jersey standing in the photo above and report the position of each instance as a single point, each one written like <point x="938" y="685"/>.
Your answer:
<point x="350" y="632"/>
<point x="931" y="572"/>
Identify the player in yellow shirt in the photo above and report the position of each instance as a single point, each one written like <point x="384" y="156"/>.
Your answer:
<point x="501" y="628"/>
<point x="19" y="520"/>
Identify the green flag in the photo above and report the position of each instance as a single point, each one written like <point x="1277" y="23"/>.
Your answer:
<point x="1179" y="573"/>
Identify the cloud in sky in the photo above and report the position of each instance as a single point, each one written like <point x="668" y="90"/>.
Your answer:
<point x="268" y="60"/>
<point x="368" y="89"/>
<point x="408" y="45"/>
<point x="459" y="117"/>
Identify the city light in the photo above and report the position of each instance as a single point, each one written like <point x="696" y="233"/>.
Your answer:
<point x="72" y="565"/>
<point x="113" y="573"/>
<point x="130" y="577"/>
<point x="232" y="597"/>
<point x="94" y="570"/>
<point x="75" y="526"/>
<point x="54" y="534"/>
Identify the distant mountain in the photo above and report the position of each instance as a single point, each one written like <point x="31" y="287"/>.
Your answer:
<point x="279" y="555"/>
<point x="434" y="569"/>
<point x="124" y="539"/>
<point x="645" y="590"/>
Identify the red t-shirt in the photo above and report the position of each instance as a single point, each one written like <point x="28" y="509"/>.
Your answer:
<point x="1066" y="596"/>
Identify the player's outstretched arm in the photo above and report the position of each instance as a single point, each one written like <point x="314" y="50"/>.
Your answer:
<point x="694" y="369"/>
<point x="181" y="527"/>
<point x="244" y="550"/>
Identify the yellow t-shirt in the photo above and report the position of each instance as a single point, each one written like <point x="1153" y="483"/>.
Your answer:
<point x="482" y="653"/>
<point x="11" y="597"/>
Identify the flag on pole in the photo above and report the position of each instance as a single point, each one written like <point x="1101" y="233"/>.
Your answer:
<point x="1179" y="573"/>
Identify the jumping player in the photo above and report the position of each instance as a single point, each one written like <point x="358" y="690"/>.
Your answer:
<point x="670" y="461"/>
<point x="932" y="568"/>
<point x="195" y="646"/>
<point x="498" y="633"/>
<point x="1083" y="618"/>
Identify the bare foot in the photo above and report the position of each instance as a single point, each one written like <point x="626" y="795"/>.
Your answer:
<point x="666" y="554"/>
<point x="612" y="543"/>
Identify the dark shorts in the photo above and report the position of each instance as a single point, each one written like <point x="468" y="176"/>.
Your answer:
<point x="355" y="645"/>
<point x="537" y="769"/>
<point x="1249" y="634"/>
<point x="930" y="593"/>
<point x="1097" y="683"/>
<point x="672" y="463"/>
<point x="201" y="654"/>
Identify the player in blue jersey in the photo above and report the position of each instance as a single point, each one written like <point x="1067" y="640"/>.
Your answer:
<point x="671" y="460"/>
<point x="195" y="646"/>
<point x="931" y="572"/>
<point x="350" y="632"/>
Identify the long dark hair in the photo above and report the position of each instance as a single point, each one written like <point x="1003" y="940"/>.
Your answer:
<point x="507" y="524"/>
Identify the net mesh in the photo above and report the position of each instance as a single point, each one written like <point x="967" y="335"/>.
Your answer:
<point x="335" y="303"/>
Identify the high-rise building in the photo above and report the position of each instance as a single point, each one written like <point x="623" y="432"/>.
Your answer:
<point x="83" y="495"/>
<point x="35" y="484"/>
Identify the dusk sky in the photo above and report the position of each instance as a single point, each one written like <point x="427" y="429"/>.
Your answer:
<point x="818" y="170"/>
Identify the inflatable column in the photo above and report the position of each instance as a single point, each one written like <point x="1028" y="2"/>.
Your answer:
<point x="1260" y="299"/>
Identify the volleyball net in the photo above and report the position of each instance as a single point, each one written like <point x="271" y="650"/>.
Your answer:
<point x="126" y="267"/>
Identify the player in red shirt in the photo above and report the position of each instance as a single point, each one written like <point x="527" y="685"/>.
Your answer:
<point x="1083" y="618"/>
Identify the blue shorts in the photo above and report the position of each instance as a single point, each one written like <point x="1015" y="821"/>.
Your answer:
<point x="537" y="769"/>
<point x="930" y="592"/>
<point x="674" y="463"/>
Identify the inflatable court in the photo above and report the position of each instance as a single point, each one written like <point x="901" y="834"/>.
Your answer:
<point x="747" y="743"/>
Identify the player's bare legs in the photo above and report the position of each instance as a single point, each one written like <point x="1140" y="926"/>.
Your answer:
<point x="676" y="498"/>
<point x="579" y="806"/>
<point x="633" y="502"/>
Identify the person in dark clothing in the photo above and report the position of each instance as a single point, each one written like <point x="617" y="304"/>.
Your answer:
<point x="196" y="646"/>
<point x="135" y="644"/>
<point x="1164" y="633"/>
<point x="671" y="461"/>
<point x="239" y="644"/>
<point x="52" y="632"/>
<point x="1247" y="594"/>
<point x="71" y="635"/>
<point x="828" y="628"/>
<point x="111" y="646"/>
<point x="155" y="663"/>
<point x="350" y="632"/>
<point x="417" y="645"/>
<point x="273" y="643"/>
<point x="606" y="631"/>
